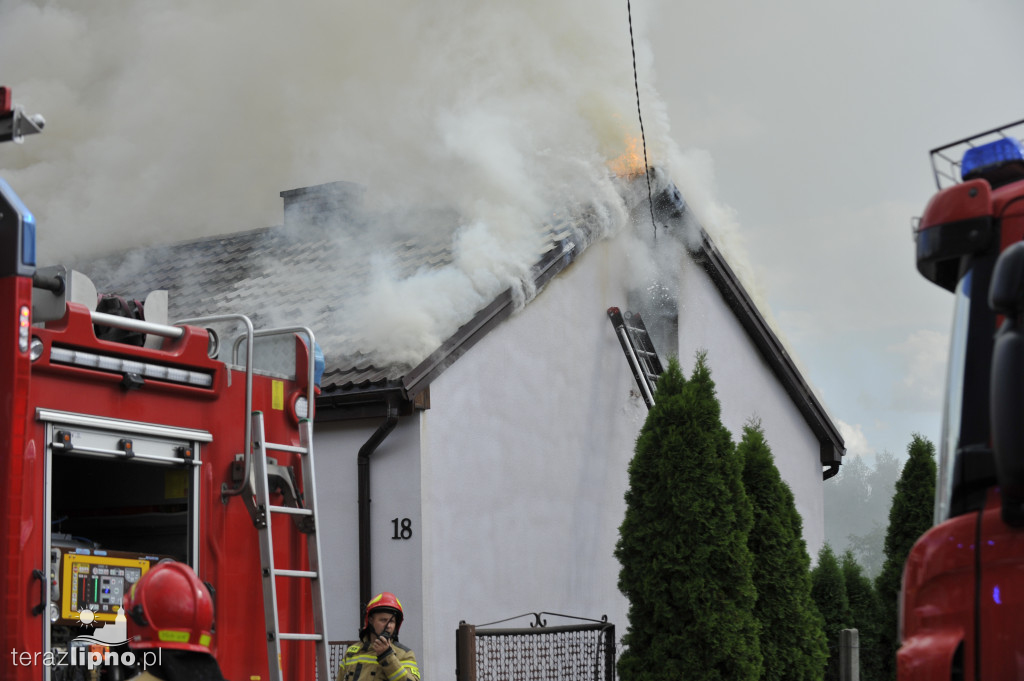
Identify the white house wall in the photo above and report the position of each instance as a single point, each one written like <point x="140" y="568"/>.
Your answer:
<point x="513" y="480"/>
<point x="394" y="493"/>
<point x="525" y="450"/>
<point x="748" y="389"/>
<point x="526" y="447"/>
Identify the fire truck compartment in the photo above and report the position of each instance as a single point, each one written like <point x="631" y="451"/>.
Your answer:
<point x="122" y="486"/>
<point x="122" y="504"/>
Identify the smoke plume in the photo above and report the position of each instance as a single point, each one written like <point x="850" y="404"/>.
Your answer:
<point x="173" y="121"/>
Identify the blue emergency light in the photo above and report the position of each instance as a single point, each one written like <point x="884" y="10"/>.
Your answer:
<point x="17" y="235"/>
<point x="987" y="157"/>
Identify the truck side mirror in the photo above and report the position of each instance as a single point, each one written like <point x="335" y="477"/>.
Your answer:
<point x="1006" y="297"/>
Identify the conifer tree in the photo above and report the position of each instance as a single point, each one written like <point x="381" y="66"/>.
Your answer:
<point x="686" y="567"/>
<point x="909" y="517"/>
<point x="864" y="615"/>
<point x="792" y="636"/>
<point x="829" y="592"/>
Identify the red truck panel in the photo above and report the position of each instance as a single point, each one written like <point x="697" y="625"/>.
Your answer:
<point x="1001" y="595"/>
<point x="938" y="594"/>
<point x="228" y="547"/>
<point x="944" y="600"/>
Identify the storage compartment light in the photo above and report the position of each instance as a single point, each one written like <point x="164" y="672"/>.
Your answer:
<point x="129" y="366"/>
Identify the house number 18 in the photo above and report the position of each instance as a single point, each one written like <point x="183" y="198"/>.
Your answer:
<point x="403" y="528"/>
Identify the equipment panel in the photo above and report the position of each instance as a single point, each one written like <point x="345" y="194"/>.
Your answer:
<point x="96" y="582"/>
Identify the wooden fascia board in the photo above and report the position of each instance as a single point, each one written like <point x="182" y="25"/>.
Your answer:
<point x="775" y="354"/>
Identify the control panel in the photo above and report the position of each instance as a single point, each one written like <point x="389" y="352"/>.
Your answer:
<point x="94" y="584"/>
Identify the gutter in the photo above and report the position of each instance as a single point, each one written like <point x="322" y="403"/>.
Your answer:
<point x="363" y="472"/>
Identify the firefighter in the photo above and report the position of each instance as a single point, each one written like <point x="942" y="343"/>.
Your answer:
<point x="170" y="624"/>
<point x="379" y="655"/>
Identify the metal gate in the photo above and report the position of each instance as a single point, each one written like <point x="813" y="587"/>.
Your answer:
<point x="536" y="653"/>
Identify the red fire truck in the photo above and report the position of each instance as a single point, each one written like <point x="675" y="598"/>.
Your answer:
<point x="125" y="440"/>
<point x="963" y="583"/>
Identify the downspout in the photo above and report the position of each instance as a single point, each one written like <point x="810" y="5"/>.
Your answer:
<point x="363" y="464"/>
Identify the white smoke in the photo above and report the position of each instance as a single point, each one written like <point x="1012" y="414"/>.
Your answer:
<point x="174" y="121"/>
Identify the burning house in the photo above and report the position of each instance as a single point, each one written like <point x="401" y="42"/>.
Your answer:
<point x="473" y="435"/>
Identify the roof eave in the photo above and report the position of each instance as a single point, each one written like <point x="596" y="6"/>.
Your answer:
<point x="370" y="403"/>
<point x="498" y="310"/>
<point x="736" y="297"/>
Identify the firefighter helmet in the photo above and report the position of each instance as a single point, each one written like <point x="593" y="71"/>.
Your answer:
<point x="170" y="608"/>
<point x="388" y="602"/>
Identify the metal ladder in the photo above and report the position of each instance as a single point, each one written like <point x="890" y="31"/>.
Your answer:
<point x="639" y="350"/>
<point x="308" y="510"/>
<point x="253" y="478"/>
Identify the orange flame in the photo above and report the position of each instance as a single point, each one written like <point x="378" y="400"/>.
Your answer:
<point x="631" y="163"/>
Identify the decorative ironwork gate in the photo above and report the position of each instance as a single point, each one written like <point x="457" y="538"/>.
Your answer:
<point x="538" y="652"/>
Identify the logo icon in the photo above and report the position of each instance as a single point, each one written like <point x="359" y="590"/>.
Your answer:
<point x="113" y="634"/>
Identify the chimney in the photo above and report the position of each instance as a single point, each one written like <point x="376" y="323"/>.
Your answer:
<point x="320" y="204"/>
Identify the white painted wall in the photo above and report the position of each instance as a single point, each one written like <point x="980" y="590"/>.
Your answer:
<point x="525" y="451"/>
<point x="394" y="493"/>
<point x="747" y="389"/>
<point x="526" y="448"/>
<point x="514" y="479"/>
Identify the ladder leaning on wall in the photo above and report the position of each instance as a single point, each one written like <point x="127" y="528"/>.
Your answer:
<point x="639" y="350"/>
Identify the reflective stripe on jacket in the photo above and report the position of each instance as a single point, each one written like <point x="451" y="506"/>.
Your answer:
<point x="361" y="664"/>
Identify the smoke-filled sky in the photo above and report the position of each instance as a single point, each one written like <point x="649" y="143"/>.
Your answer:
<point x="818" y="117"/>
<point x="182" y="120"/>
<point x="191" y="117"/>
<point x="798" y="131"/>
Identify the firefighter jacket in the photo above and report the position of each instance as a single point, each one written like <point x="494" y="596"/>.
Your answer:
<point x="361" y="664"/>
<point x="145" y="676"/>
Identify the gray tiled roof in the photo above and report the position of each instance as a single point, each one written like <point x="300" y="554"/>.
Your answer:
<point x="301" y="273"/>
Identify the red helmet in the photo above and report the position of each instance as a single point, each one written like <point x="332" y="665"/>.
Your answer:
<point x="170" y="608"/>
<point x="387" y="602"/>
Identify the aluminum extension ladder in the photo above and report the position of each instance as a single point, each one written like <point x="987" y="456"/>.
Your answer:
<point x="308" y="509"/>
<point x="639" y="350"/>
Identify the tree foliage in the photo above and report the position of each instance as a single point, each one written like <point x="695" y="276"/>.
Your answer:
<point x="792" y="637"/>
<point x="828" y="588"/>
<point x="864" y="615"/>
<point x="909" y="517"/>
<point x="686" y="568"/>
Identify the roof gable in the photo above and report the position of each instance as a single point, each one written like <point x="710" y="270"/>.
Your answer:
<point x="321" y="268"/>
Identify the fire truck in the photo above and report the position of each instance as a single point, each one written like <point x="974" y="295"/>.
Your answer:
<point x="126" y="440"/>
<point x="963" y="583"/>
